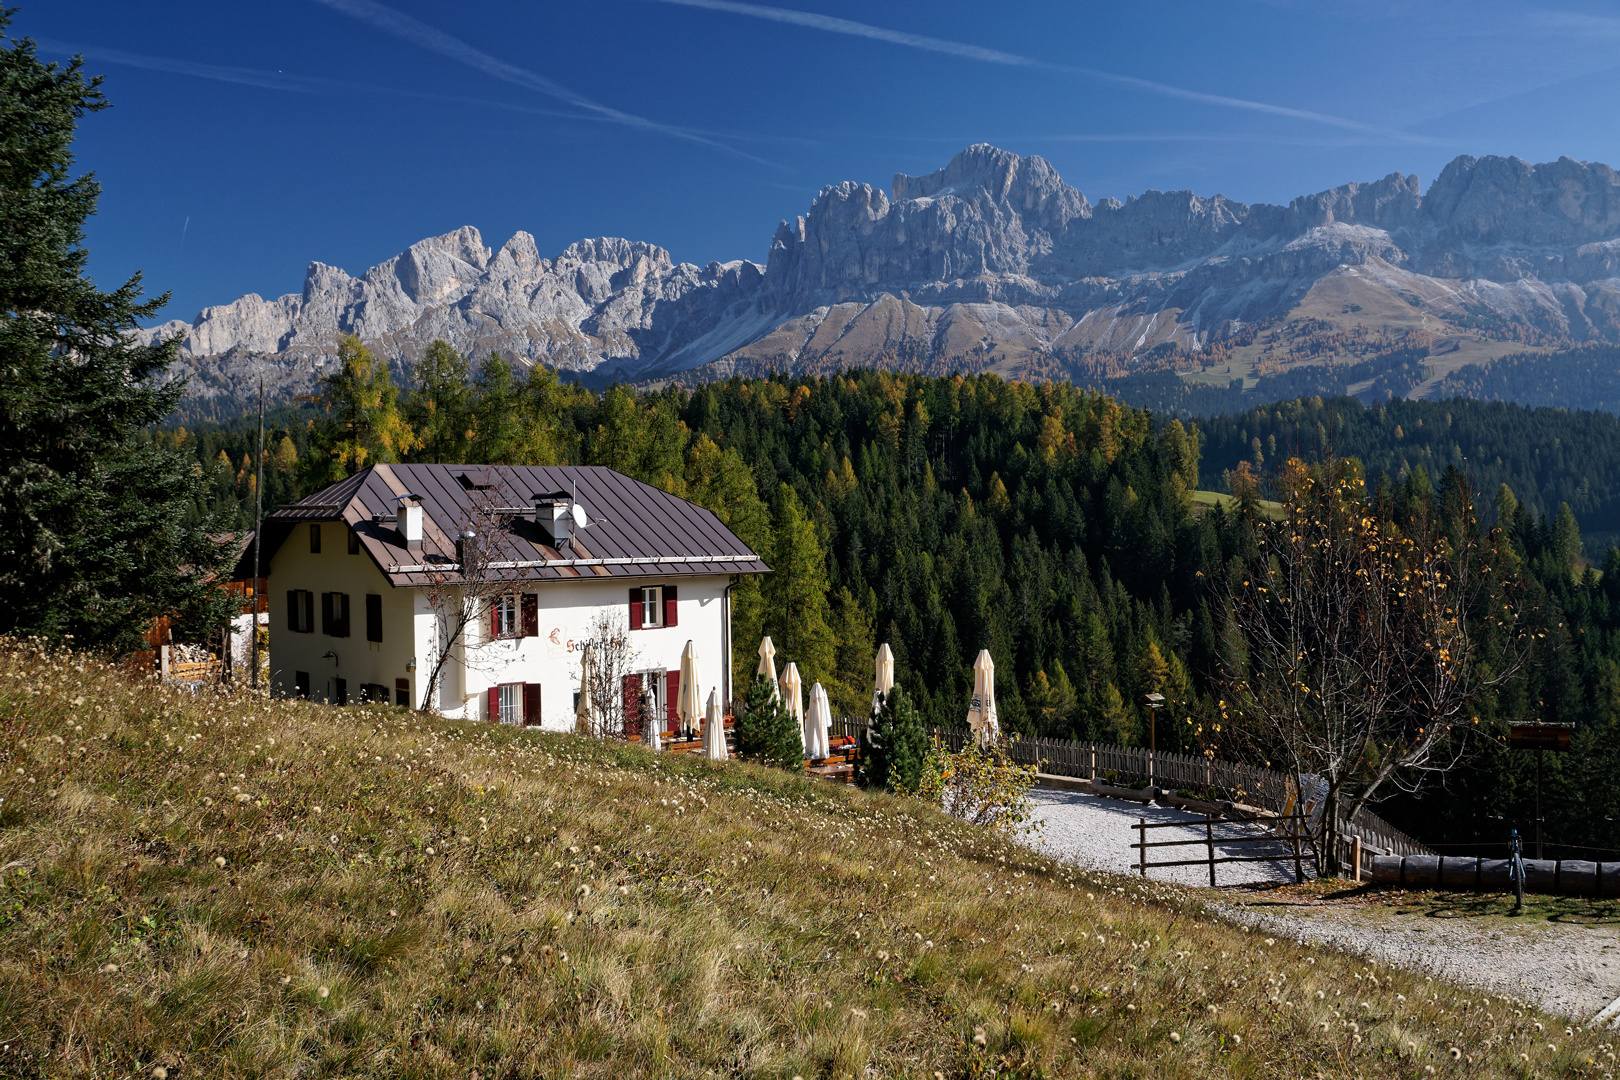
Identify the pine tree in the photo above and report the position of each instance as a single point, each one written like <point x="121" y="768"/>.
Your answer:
<point x="97" y="536"/>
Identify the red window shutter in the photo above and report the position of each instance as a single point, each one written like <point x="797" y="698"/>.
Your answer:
<point x="635" y="609"/>
<point x="531" y="703"/>
<point x="494" y="704"/>
<point x="326" y="613"/>
<point x="669" y="605"/>
<point x="294" y="603"/>
<point x="672" y="683"/>
<point x="531" y="615"/>
<point x="495" y="618"/>
<point x="632" y="703"/>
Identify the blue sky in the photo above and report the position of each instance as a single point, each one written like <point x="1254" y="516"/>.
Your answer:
<point x="249" y="138"/>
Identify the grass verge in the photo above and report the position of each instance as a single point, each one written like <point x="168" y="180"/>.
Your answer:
<point x="224" y="886"/>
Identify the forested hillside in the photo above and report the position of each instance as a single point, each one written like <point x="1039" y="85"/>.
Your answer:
<point x="1548" y="457"/>
<point x="1587" y="377"/>
<point x="1046" y="523"/>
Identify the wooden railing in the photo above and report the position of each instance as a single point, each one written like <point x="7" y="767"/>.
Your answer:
<point x="1249" y="784"/>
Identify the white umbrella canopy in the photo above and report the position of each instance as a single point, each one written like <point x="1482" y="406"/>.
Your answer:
<point x="714" y="730"/>
<point x="688" y="708"/>
<point x="981" y="715"/>
<point x="793" y="692"/>
<point x="885" y="675"/>
<point x="818" y="724"/>
<point x="767" y="665"/>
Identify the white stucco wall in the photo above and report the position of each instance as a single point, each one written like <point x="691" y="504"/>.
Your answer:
<point x="358" y="661"/>
<point x="567" y="610"/>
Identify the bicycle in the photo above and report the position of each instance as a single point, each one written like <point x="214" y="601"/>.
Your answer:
<point x="1516" y="868"/>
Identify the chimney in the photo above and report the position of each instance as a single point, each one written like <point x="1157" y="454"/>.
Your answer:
<point x="551" y="515"/>
<point x="408" y="520"/>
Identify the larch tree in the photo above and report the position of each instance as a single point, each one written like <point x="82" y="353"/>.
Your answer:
<point x="95" y="536"/>
<point x="796" y="610"/>
<point x="440" y="404"/>
<point x="361" y="423"/>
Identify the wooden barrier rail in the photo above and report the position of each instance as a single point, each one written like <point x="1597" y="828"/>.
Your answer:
<point x="1293" y="839"/>
<point x="1239" y="783"/>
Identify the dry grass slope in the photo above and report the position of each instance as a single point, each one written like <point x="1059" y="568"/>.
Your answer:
<point x="228" y="887"/>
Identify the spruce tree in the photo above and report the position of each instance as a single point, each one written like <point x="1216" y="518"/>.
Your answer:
<point x="892" y="757"/>
<point x="96" y="534"/>
<point x="440" y="406"/>
<point x="766" y="732"/>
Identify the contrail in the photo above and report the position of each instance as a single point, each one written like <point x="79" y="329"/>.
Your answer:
<point x="423" y="36"/>
<point x="833" y="25"/>
<point x="266" y="80"/>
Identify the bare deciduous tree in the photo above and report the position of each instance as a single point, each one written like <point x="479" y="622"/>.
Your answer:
<point x="463" y="587"/>
<point x="1358" y="647"/>
<point x="609" y="658"/>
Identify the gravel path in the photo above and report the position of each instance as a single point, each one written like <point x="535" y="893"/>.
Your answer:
<point x="1565" y="966"/>
<point x="1097" y="833"/>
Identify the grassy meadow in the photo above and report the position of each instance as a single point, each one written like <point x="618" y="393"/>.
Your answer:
<point x="224" y="886"/>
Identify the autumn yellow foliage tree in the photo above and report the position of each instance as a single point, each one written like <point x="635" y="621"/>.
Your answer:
<point x="1355" y="639"/>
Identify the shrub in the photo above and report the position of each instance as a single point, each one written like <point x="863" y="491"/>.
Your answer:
<point x="895" y="747"/>
<point x="980" y="785"/>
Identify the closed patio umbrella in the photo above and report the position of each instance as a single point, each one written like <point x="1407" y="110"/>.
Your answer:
<point x="688" y="710"/>
<point x="793" y="692"/>
<point x="714" y="730"/>
<point x="818" y="724"/>
<point x="885" y="675"/>
<point x="767" y="665"/>
<point x="981" y="715"/>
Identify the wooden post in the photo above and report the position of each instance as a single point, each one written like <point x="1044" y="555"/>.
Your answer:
<point x="1355" y="858"/>
<point x="1094" y="761"/>
<point x="1141" y="837"/>
<point x="163" y="662"/>
<point x="1299" y="830"/>
<point x="1209" y="838"/>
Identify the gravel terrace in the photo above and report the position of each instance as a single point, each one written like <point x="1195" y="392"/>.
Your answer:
<point x="1563" y="954"/>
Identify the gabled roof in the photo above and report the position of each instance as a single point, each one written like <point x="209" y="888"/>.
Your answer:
<point x="636" y="530"/>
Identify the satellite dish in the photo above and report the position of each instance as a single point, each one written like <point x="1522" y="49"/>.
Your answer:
<point x="580" y="519"/>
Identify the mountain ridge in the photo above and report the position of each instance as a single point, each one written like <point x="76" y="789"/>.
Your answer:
<point x="991" y="261"/>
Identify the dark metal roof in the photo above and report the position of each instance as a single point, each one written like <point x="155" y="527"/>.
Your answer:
<point x="635" y="530"/>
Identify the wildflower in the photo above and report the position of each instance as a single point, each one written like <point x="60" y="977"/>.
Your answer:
<point x="323" y="993"/>
<point x="1237" y="1040"/>
<point x="430" y="851"/>
<point x="219" y="861"/>
<point x="110" y="969"/>
<point x="159" y="1073"/>
<point x="1455" y="1053"/>
<point x="285" y="979"/>
<point x="979" y="1037"/>
<point x="1175" y="1036"/>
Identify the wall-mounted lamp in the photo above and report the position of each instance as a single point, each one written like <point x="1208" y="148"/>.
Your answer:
<point x="412" y="665"/>
<point x="330" y="655"/>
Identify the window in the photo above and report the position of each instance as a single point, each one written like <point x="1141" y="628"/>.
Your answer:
<point x="402" y="692"/>
<point x="354" y="542"/>
<point x="315" y="538"/>
<point x="301" y="684"/>
<point x="652" y="606"/>
<point x="373" y="694"/>
<point x="335" y="614"/>
<point x="504" y="617"/>
<point x="373" y="617"/>
<point x="342" y="695"/>
<point x="511" y="703"/>
<point x="300" y="611"/>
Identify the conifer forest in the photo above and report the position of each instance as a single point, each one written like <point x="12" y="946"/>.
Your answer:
<point x="1078" y="539"/>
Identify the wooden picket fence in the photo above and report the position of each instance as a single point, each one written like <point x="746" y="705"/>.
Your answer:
<point x="1252" y="785"/>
